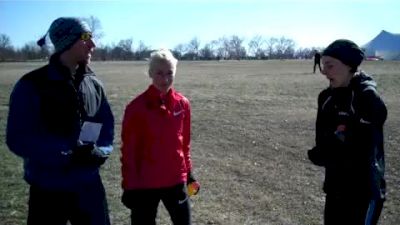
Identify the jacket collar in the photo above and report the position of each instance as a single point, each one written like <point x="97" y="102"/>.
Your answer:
<point x="60" y="72"/>
<point x="155" y="99"/>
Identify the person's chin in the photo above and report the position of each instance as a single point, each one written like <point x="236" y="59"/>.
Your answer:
<point x="332" y="83"/>
<point x="164" y="89"/>
<point x="89" y="58"/>
<point x="86" y="61"/>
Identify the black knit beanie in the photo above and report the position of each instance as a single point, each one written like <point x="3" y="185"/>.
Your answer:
<point x="346" y="51"/>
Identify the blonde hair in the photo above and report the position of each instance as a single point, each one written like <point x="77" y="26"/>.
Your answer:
<point x="161" y="55"/>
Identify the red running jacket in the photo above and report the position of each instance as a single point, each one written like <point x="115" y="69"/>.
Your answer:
<point x="156" y="140"/>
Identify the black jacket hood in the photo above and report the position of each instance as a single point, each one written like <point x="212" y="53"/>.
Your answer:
<point x="361" y="81"/>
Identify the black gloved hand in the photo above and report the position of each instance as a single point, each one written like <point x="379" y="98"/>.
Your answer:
<point x="84" y="154"/>
<point x="317" y="156"/>
<point x="128" y="198"/>
<point x="190" y="178"/>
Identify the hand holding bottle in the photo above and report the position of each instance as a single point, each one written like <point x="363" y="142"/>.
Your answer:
<point x="193" y="186"/>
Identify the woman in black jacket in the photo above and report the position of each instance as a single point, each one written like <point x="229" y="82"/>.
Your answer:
<point x="349" y="138"/>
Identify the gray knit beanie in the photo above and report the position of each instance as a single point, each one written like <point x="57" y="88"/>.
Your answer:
<point x="64" y="32"/>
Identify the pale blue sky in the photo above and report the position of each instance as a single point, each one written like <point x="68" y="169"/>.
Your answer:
<point x="166" y="23"/>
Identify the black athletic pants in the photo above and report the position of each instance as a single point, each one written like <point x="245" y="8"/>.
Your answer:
<point x="319" y="66"/>
<point x="351" y="211"/>
<point x="87" y="206"/>
<point x="144" y="204"/>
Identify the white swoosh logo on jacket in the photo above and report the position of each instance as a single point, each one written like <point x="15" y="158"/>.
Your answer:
<point x="177" y="113"/>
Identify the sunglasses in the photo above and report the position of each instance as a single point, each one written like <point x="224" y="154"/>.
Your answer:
<point x="86" y="36"/>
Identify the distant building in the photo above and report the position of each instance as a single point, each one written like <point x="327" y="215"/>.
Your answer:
<point x="384" y="46"/>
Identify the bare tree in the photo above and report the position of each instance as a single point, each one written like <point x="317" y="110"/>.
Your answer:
<point x="31" y="51"/>
<point x="222" y="47"/>
<point x="236" y="50"/>
<point x="271" y="43"/>
<point x="6" y="49"/>
<point x="142" y="51"/>
<point x="256" y="47"/>
<point x="304" y="53"/>
<point x="285" y="48"/>
<point x="126" y="47"/>
<point x="102" y="53"/>
<point x="179" y="51"/>
<point x="193" y="49"/>
<point x="5" y="41"/>
<point x="207" y="52"/>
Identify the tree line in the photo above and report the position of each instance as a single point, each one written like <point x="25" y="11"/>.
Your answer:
<point x="224" y="48"/>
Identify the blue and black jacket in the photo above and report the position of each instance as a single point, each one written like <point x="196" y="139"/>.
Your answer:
<point x="46" y="110"/>
<point x="349" y="139"/>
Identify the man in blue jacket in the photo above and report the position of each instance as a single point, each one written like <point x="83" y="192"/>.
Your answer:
<point x="61" y="124"/>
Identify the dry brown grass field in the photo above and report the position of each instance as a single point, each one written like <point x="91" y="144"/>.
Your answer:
<point x="253" y="122"/>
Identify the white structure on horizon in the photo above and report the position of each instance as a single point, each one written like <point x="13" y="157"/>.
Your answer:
<point x="386" y="46"/>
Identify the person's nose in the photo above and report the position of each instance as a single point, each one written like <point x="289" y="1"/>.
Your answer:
<point x="166" y="79"/>
<point x="91" y="43"/>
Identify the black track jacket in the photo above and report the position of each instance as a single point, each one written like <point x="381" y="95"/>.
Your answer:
<point x="349" y="139"/>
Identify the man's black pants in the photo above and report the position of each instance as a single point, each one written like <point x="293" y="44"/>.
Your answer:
<point x="88" y="206"/>
<point x="315" y="66"/>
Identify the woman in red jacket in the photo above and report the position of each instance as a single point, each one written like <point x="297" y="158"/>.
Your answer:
<point x="156" y="162"/>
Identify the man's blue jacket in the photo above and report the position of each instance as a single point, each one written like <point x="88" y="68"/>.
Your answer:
<point x="47" y="108"/>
